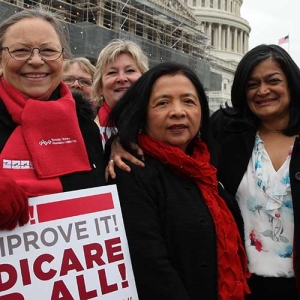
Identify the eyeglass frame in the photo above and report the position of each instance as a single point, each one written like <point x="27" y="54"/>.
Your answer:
<point x="78" y="79"/>
<point x="31" y="53"/>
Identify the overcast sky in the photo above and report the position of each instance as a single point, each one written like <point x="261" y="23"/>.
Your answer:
<point x="271" y="20"/>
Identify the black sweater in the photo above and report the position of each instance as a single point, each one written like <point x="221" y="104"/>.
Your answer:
<point x="171" y="233"/>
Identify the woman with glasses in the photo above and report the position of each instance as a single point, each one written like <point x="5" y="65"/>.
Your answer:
<point x="119" y="65"/>
<point x="78" y="75"/>
<point x="49" y="143"/>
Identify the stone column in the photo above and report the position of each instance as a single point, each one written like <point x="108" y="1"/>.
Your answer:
<point x="228" y="39"/>
<point x="116" y="23"/>
<point x="100" y="14"/>
<point x="220" y="37"/>
<point x="235" y="40"/>
<point x="145" y="34"/>
<point x="246" y="42"/>
<point x="209" y="32"/>
<point x="20" y="3"/>
<point x="131" y="26"/>
<point x="241" y="42"/>
<point x="223" y="38"/>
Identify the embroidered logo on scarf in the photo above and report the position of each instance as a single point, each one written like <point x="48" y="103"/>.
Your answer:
<point x="57" y="141"/>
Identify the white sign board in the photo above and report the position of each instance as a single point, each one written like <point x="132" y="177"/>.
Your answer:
<point x="73" y="248"/>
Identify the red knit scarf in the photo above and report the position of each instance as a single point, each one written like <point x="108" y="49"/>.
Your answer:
<point x="47" y="142"/>
<point x="232" y="262"/>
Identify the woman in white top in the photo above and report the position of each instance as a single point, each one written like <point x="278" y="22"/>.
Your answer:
<point x="260" y="165"/>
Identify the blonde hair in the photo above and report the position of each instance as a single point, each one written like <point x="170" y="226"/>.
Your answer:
<point x="83" y="63"/>
<point x="109" y="54"/>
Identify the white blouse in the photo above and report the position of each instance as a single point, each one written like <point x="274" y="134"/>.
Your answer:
<point x="265" y="200"/>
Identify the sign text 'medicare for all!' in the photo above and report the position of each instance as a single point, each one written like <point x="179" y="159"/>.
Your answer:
<point x="75" y="247"/>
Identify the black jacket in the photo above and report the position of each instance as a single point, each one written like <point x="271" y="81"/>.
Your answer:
<point x="236" y="141"/>
<point x="90" y="133"/>
<point x="171" y="233"/>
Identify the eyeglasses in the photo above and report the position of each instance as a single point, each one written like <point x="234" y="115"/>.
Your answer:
<point x="69" y="80"/>
<point x="21" y="52"/>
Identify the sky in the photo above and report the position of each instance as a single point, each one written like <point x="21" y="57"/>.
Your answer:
<point x="271" y="20"/>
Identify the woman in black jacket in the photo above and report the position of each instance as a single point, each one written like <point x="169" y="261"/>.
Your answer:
<point x="183" y="240"/>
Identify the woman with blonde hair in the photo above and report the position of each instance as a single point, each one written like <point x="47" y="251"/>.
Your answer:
<point x="119" y="65"/>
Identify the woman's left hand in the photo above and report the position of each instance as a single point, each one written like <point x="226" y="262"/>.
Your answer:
<point x="116" y="158"/>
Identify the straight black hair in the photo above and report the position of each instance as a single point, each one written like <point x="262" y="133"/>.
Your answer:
<point x="244" y="69"/>
<point x="129" y="114"/>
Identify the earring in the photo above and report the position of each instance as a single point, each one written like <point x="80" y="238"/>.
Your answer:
<point x="198" y="135"/>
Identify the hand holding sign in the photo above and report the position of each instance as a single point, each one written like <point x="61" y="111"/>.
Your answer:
<point x="13" y="204"/>
<point x="74" y="247"/>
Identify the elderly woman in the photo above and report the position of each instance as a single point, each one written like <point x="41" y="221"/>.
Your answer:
<point x="48" y="143"/>
<point x="78" y="74"/>
<point x="119" y="65"/>
<point x="183" y="240"/>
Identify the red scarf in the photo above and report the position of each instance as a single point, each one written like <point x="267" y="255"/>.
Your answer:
<point x="103" y="114"/>
<point x="232" y="261"/>
<point x="47" y="142"/>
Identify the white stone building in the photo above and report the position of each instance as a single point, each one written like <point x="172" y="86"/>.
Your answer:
<point x="229" y="39"/>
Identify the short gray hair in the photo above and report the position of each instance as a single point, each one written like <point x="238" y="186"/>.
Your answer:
<point x="109" y="54"/>
<point x="55" y="20"/>
<point x="84" y="63"/>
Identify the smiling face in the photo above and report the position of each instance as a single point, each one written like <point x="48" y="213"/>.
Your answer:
<point x="267" y="92"/>
<point x="118" y="77"/>
<point x="174" y="111"/>
<point x="35" y="78"/>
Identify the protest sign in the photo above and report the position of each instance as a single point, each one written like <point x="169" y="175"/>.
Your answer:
<point x="73" y="248"/>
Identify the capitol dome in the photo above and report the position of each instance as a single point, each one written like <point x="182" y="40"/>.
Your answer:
<point x="222" y="22"/>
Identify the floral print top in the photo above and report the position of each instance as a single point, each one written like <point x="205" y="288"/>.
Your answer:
<point x="265" y="200"/>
